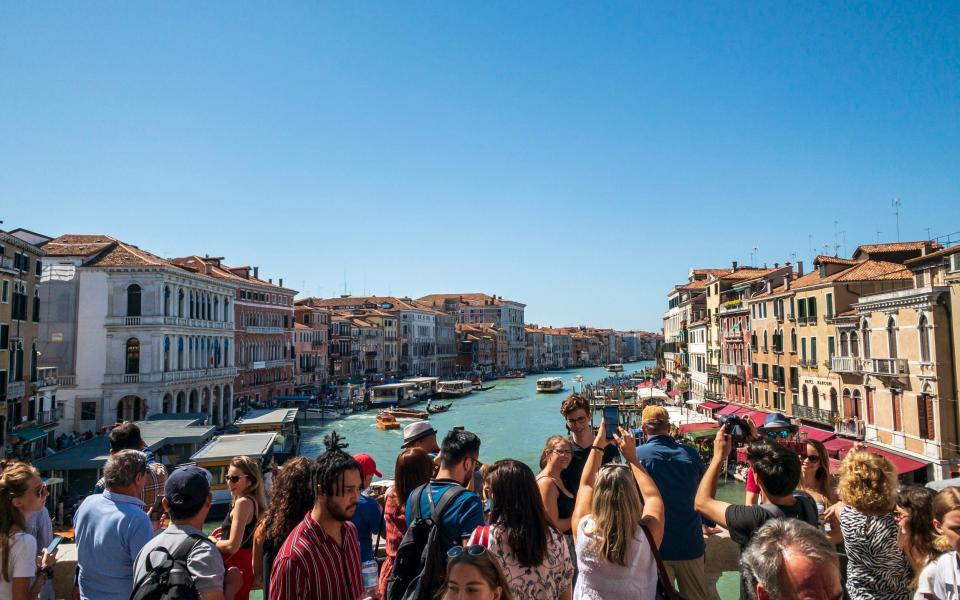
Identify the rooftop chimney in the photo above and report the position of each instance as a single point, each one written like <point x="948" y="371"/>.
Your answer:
<point x="734" y="265"/>
<point x="769" y="286"/>
<point x="787" y="279"/>
<point x="256" y="272"/>
<point x="776" y="265"/>
<point x="281" y="281"/>
<point x="799" y="268"/>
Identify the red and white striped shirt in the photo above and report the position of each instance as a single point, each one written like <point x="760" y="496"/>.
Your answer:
<point x="311" y="565"/>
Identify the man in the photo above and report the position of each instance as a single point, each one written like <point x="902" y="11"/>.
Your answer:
<point x="458" y="460"/>
<point x="778" y="473"/>
<point x="676" y="469"/>
<point x="321" y="557"/>
<point x="369" y="518"/>
<point x="420" y="434"/>
<point x="112" y="528"/>
<point x="187" y="500"/>
<point x="790" y="560"/>
<point x="576" y="411"/>
<point x="126" y="436"/>
<point x="777" y="427"/>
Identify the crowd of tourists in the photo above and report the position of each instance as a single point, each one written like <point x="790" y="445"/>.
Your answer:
<point x="610" y="514"/>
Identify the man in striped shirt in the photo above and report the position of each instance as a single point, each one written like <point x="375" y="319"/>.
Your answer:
<point x="321" y="557"/>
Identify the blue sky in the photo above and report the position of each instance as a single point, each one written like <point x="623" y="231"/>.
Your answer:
<point x="578" y="157"/>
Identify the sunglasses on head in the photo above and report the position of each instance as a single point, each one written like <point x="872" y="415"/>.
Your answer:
<point x="234" y="478"/>
<point x="474" y="550"/>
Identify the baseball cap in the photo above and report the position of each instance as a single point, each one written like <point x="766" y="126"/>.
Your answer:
<point x="368" y="466"/>
<point x="415" y="431"/>
<point x="654" y="414"/>
<point x="187" y="486"/>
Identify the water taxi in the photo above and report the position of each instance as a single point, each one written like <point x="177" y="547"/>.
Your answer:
<point x="549" y="385"/>
<point x="515" y="375"/>
<point x="615" y="368"/>
<point x="405" y="413"/>
<point x="321" y="412"/>
<point x="282" y="421"/>
<point x="385" y="422"/>
<point x="454" y="389"/>
<point x="392" y="394"/>
<point x="216" y="456"/>
<point x="423" y="387"/>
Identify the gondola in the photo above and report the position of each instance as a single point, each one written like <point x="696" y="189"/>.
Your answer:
<point x="438" y="408"/>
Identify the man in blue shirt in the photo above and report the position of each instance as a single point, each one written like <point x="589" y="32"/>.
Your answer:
<point x="676" y="469"/>
<point x="112" y="528"/>
<point x="368" y="517"/>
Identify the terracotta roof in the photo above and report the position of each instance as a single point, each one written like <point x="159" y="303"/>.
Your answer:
<point x="298" y="325"/>
<point x="833" y="259"/>
<point x="471" y="299"/>
<point x="744" y="273"/>
<point x="696" y="284"/>
<point x="359" y="301"/>
<point x="101" y="250"/>
<point x="896" y="246"/>
<point x="122" y="254"/>
<point x="945" y="252"/>
<point x="716" y="272"/>
<point x="77" y="245"/>
<point x="218" y="270"/>
<point x="874" y="270"/>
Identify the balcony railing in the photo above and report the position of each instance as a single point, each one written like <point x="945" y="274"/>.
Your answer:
<point x="162" y="321"/>
<point x="266" y="364"/>
<point x="67" y="380"/>
<point x="851" y="426"/>
<point x="733" y="335"/>
<point x="47" y="418"/>
<point x="886" y="366"/>
<point x="814" y="414"/>
<point x="6" y="262"/>
<point x="16" y="389"/>
<point x="711" y="395"/>
<point x="712" y="368"/>
<point x="171" y="376"/>
<point x="732" y="370"/>
<point x="264" y="330"/>
<point x="846" y="364"/>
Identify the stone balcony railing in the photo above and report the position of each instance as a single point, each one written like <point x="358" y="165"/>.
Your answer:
<point x="171" y="376"/>
<point x="263" y="330"/>
<point x="732" y="370"/>
<point x="851" y="427"/>
<point x="886" y="366"/>
<point x="811" y="413"/>
<point x="733" y="335"/>
<point x="161" y="321"/>
<point x="67" y="380"/>
<point x="267" y="364"/>
<point x="847" y="364"/>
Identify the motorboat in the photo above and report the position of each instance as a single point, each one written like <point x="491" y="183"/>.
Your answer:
<point x="386" y="422"/>
<point x="323" y="412"/>
<point x="578" y="378"/>
<point x="406" y="413"/>
<point x="549" y="385"/>
<point x="515" y="375"/>
<point x="454" y="389"/>
<point x="615" y="368"/>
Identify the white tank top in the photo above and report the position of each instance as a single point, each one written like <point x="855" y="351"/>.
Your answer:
<point x="601" y="580"/>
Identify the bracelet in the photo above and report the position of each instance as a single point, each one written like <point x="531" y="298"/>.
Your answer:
<point x="596" y="448"/>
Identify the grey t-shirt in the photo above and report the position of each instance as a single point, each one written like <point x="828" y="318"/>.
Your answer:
<point x="203" y="563"/>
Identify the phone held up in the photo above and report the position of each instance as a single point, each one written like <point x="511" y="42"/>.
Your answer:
<point x="157" y="512"/>
<point x="611" y="418"/>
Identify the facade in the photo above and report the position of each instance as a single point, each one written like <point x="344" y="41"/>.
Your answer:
<point x="309" y="352"/>
<point x="558" y="348"/>
<point x="314" y="370"/>
<point x="774" y="368"/>
<point x="27" y="390"/>
<point x="132" y="334"/>
<point x="481" y="308"/>
<point x="536" y="352"/>
<point x="697" y="344"/>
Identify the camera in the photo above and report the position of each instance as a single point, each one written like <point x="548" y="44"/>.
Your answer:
<point x="735" y="427"/>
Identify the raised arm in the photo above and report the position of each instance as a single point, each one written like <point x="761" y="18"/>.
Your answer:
<point x="652" y="500"/>
<point x="589" y="477"/>
<point x="706" y="502"/>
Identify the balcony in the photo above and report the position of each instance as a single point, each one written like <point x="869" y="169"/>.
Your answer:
<point x="851" y="427"/>
<point x="890" y="367"/>
<point x="732" y="370"/>
<point x="712" y="369"/>
<point x="67" y="380"/>
<point x="263" y="330"/>
<point x="162" y="321"/>
<point x="46" y="377"/>
<point x="266" y="364"/>
<point x="846" y="364"/>
<point x="48" y="418"/>
<point x="818" y="415"/>
<point x="171" y="376"/>
<point x="16" y="389"/>
<point x="733" y="336"/>
<point x="711" y="395"/>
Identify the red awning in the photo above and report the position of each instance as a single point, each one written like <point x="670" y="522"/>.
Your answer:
<point x="688" y="427"/>
<point x="758" y="416"/>
<point x="644" y="385"/>
<point x="711" y="405"/>
<point x="729" y="409"/>
<point x="813" y="433"/>
<point x="903" y="464"/>
<point x="673" y="393"/>
<point x="838" y="445"/>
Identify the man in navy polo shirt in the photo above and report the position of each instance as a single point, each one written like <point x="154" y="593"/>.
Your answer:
<point x="676" y="469"/>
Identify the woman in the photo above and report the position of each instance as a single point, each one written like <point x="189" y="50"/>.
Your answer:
<point x="916" y="537"/>
<point x="946" y="522"/>
<point x="21" y="494"/>
<point x="535" y="559"/>
<point x="614" y="556"/>
<point x="815" y="479"/>
<point x="557" y="499"/>
<point x="473" y="574"/>
<point x="414" y="468"/>
<point x="235" y="541"/>
<point x="291" y="500"/>
<point x="864" y="522"/>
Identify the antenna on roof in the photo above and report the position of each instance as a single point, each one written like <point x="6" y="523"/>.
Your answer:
<point x="878" y="235"/>
<point x="896" y="211"/>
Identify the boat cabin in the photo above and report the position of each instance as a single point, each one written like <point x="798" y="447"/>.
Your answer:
<point x="455" y="388"/>
<point x="282" y="421"/>
<point x="393" y="394"/>
<point x="424" y="387"/>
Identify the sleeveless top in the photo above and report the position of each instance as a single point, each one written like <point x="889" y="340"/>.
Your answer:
<point x="876" y="567"/>
<point x="247" y="531"/>
<point x="601" y="580"/>
<point x="564" y="502"/>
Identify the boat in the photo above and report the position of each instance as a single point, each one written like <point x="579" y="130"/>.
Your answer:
<point x="438" y="408"/>
<point x="322" y="412"/>
<point x="386" y="422"/>
<point x="454" y="389"/>
<point x="578" y="379"/>
<point x="393" y="394"/>
<point x="282" y="421"/>
<point x="515" y="375"/>
<point x="406" y="413"/>
<point x="483" y="388"/>
<point x="423" y="387"/>
<point x="215" y="457"/>
<point x="615" y="367"/>
<point x="549" y="385"/>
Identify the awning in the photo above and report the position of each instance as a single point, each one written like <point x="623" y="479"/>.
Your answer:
<point x="700" y="434"/>
<point x="729" y="409"/>
<point x="688" y="427"/>
<point x="838" y="445"/>
<point x="712" y="405"/>
<point x="813" y="433"/>
<point x="31" y="433"/>
<point x="673" y="393"/>
<point x="758" y="416"/>
<point x="902" y="463"/>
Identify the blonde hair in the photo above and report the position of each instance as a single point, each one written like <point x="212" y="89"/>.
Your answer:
<point x="14" y="482"/>
<point x="946" y="501"/>
<point x="550" y="446"/>
<point x="616" y="513"/>
<point x="868" y="482"/>
<point x="256" y="489"/>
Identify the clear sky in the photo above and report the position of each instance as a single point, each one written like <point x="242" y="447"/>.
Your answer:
<point x="576" y="156"/>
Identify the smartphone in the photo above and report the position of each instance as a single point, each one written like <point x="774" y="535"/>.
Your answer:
<point x="611" y="416"/>
<point x="157" y="510"/>
<point x="53" y="545"/>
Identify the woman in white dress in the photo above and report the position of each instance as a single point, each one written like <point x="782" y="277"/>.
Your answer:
<point x="21" y="493"/>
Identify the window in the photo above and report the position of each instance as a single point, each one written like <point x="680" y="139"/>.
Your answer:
<point x="792" y="312"/>
<point x="133" y="356"/>
<point x="844" y="344"/>
<point x="869" y="406"/>
<point x="897" y="417"/>
<point x="802" y="310"/>
<point x="829" y="306"/>
<point x="955" y="262"/>
<point x="813" y="351"/>
<point x="36" y="306"/>
<point x="794" y="378"/>
<point x="924" y="339"/>
<point x="765" y="346"/>
<point x="866" y="339"/>
<point x="812" y="310"/>
<point x="803" y="350"/>
<point x="892" y="337"/>
<point x="133" y="300"/>
<point x="39" y="268"/>
<point x="854" y="344"/>
<point x="831" y="348"/>
<point x="793" y="340"/>
<point x="5" y="291"/>
<point x="764" y="369"/>
<point x="4" y="336"/>
<point x="88" y="411"/>
<point x="925" y="416"/>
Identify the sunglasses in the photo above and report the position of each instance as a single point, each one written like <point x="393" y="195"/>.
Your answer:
<point x="577" y="421"/>
<point x="475" y="550"/>
<point x="812" y="458"/>
<point x="234" y="478"/>
<point x="42" y="491"/>
<point x="778" y="434"/>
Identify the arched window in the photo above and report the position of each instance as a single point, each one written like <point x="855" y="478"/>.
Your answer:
<point x="815" y="396"/>
<point x="892" y="337"/>
<point x="166" y="300"/>
<point x="192" y="306"/>
<point x="133" y="356"/>
<point x="854" y="344"/>
<point x="924" y="339"/>
<point x="866" y="339"/>
<point x="226" y="307"/>
<point x="805" y="396"/>
<point x="793" y="340"/>
<point x="833" y="400"/>
<point x="133" y="300"/>
<point x="856" y="404"/>
<point x="180" y="303"/>
<point x="166" y="354"/>
<point x="765" y="346"/>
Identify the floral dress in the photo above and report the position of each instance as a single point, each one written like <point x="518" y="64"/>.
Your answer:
<point x="547" y="580"/>
<point x="396" y="526"/>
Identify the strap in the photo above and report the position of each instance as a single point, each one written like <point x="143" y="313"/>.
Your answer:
<point x="179" y="554"/>
<point x="449" y="495"/>
<point x="666" y="586"/>
<point x="416" y="505"/>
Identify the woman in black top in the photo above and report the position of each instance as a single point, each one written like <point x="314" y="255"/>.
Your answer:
<point x="235" y="540"/>
<point x="557" y="499"/>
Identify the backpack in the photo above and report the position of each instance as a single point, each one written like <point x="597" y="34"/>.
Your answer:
<point x="808" y="510"/>
<point x="421" y="562"/>
<point x="169" y="580"/>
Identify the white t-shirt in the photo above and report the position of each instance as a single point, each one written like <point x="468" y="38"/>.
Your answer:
<point x="947" y="577"/>
<point x="23" y="562"/>
<point x="928" y="576"/>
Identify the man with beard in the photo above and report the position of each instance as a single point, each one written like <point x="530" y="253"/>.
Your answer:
<point x="321" y="557"/>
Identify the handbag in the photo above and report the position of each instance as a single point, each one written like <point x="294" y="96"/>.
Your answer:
<point x="665" y="589"/>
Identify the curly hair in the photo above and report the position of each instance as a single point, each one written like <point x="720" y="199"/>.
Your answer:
<point x="290" y="498"/>
<point x="574" y="402"/>
<point x="868" y="482"/>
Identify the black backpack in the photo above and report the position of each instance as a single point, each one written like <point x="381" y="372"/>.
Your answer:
<point x="808" y="509"/>
<point x="169" y="580"/>
<point x="419" y="568"/>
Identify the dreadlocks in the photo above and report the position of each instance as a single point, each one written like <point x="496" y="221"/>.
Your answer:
<point x="329" y="467"/>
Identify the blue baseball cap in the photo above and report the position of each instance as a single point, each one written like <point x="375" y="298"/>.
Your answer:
<point x="187" y="486"/>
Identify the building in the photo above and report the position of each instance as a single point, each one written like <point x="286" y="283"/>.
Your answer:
<point x="697" y="345"/>
<point x="310" y="354"/>
<point x="318" y="320"/>
<point x="132" y="334"/>
<point x="558" y="348"/>
<point x="774" y="366"/>
<point x="536" y="352"/>
<point x="481" y="308"/>
<point x="28" y="410"/>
